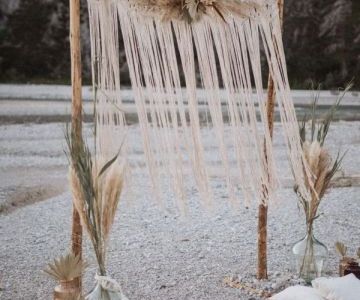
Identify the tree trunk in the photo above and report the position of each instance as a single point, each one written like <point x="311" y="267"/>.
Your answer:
<point x="263" y="209"/>
<point x="76" y="110"/>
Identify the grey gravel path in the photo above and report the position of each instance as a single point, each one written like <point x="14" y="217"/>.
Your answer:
<point x="156" y="254"/>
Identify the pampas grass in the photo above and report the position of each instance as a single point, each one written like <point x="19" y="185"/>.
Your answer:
<point x="96" y="187"/>
<point x="322" y="167"/>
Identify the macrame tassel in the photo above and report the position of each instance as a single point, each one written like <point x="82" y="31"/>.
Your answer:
<point x="161" y="42"/>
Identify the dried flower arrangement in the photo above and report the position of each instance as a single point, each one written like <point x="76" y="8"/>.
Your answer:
<point x="194" y="10"/>
<point x="318" y="157"/>
<point x="323" y="169"/>
<point x="96" y="187"/>
<point x="66" y="270"/>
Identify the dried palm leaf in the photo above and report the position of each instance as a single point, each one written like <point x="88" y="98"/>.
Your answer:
<point x="66" y="267"/>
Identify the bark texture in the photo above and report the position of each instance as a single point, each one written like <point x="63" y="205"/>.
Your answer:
<point x="76" y="112"/>
<point x="263" y="209"/>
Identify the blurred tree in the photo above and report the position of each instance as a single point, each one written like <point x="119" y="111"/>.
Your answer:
<point x="60" y="44"/>
<point x="334" y="31"/>
<point x="25" y="53"/>
<point x="353" y="39"/>
<point x="321" y="38"/>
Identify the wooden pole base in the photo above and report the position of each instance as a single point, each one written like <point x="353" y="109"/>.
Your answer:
<point x="263" y="209"/>
<point x="262" y="242"/>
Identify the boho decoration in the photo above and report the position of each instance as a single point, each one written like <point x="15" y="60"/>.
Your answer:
<point x="66" y="270"/>
<point x="165" y="52"/>
<point x="97" y="185"/>
<point x="193" y="10"/>
<point x="189" y="58"/>
<point x="309" y="252"/>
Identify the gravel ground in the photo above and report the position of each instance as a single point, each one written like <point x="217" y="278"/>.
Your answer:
<point x="21" y="103"/>
<point x="156" y="254"/>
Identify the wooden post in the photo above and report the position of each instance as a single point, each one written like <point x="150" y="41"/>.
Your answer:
<point x="263" y="209"/>
<point x="76" y="109"/>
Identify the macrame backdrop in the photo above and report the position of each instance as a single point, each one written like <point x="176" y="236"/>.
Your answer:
<point x="162" y="40"/>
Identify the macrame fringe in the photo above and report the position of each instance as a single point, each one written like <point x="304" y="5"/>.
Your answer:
<point x="161" y="53"/>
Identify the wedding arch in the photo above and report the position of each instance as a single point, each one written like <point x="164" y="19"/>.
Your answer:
<point x="196" y="72"/>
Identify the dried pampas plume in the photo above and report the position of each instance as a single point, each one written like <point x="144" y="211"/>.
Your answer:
<point x="109" y="188"/>
<point x="78" y="195"/>
<point x="96" y="187"/>
<point x="97" y="214"/>
<point x="113" y="186"/>
<point x="319" y="161"/>
<point x="318" y="158"/>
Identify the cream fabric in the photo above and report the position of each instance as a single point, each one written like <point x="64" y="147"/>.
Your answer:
<point x="342" y="288"/>
<point x="298" y="293"/>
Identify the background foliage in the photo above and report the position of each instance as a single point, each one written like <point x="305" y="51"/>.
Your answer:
<point x="321" y="37"/>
